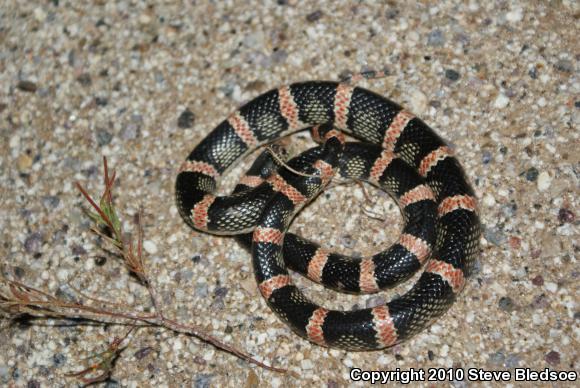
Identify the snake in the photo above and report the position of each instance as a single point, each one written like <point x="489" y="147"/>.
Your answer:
<point x="396" y="151"/>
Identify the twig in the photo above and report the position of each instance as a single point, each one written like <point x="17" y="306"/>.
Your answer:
<point x="19" y="301"/>
<point x="17" y="298"/>
<point x="372" y="215"/>
<point x="97" y="300"/>
<point x="353" y="78"/>
<point x="285" y="165"/>
<point x="365" y="192"/>
<point x="104" y="362"/>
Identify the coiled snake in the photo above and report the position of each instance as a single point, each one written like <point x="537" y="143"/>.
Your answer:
<point x="399" y="153"/>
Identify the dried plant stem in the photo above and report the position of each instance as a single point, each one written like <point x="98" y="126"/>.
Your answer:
<point x="280" y="160"/>
<point x="17" y="298"/>
<point x="21" y="303"/>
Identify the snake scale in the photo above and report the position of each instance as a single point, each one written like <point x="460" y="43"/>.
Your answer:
<point x="398" y="153"/>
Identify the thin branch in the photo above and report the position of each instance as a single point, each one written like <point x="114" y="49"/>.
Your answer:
<point x="285" y="165"/>
<point x="353" y="78"/>
<point x="97" y="300"/>
<point x="17" y="298"/>
<point x="372" y="215"/>
<point x="102" y="362"/>
<point x="20" y="302"/>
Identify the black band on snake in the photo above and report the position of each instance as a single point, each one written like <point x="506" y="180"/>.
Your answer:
<point x="401" y="154"/>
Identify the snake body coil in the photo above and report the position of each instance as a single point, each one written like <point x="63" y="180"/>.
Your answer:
<point x="402" y="155"/>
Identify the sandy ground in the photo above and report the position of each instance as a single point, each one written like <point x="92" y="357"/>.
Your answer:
<point x="142" y="82"/>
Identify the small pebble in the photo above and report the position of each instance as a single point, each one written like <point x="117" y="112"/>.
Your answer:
<point x="220" y="292"/>
<point x="201" y="290"/>
<point x="307" y="364"/>
<point x="538" y="280"/>
<point x="470" y="317"/>
<point x="435" y="104"/>
<point x="278" y="57"/>
<point x="418" y="101"/>
<point x="199" y="360"/>
<point x="392" y="13"/>
<point x="459" y="384"/>
<point x="39" y="14"/>
<point x="24" y="162"/>
<point x="520" y="273"/>
<point x="553" y="358"/>
<point x="436" y="329"/>
<point x="58" y="359"/>
<point x="506" y="304"/>
<point x="145" y="18"/>
<point x="430" y="355"/>
<point x="565" y="216"/>
<point x="33" y="384"/>
<point x="494" y="236"/>
<point x="101" y="101"/>
<point x="177" y="345"/>
<point x="130" y="131"/>
<point x="78" y="250"/>
<point x="27" y="86"/>
<point x="33" y="242"/>
<point x="544" y="180"/>
<point x="509" y="209"/>
<point x="4" y="373"/>
<point x="501" y="101"/>
<point x="497" y="358"/>
<point x="375" y="301"/>
<point x="186" y="275"/>
<point x="476" y="269"/>
<point x="255" y="86"/>
<point x="540" y="302"/>
<point x="452" y="75"/>
<point x="112" y="384"/>
<point x="486" y="157"/>
<point x="314" y="16"/>
<point x="565" y="65"/>
<point x="436" y="38"/>
<point x="551" y="286"/>
<point x="532" y="174"/>
<point x="150" y="247"/>
<point x="515" y="15"/>
<point x="347" y="241"/>
<point x="100" y="260"/>
<point x="512" y="361"/>
<point x="252" y="381"/>
<point x="85" y="79"/>
<point x="186" y="119"/>
<point x="515" y="242"/>
<point x="19" y="272"/>
<point x="50" y="202"/>
<point x="64" y="291"/>
<point x="104" y="137"/>
<point x="143" y="352"/>
<point x="202" y="380"/>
